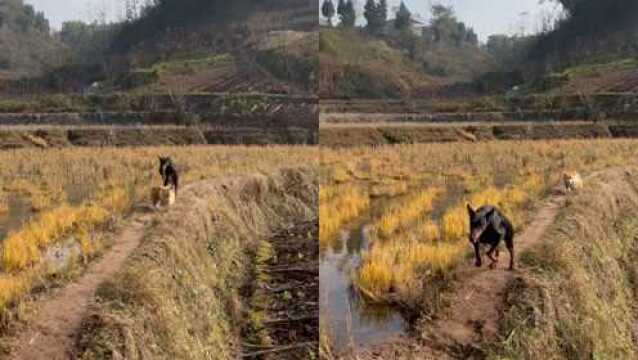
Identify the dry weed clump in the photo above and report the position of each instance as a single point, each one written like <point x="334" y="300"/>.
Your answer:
<point x="402" y="265"/>
<point x="402" y="215"/>
<point x="341" y="209"/>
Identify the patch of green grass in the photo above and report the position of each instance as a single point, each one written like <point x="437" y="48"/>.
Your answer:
<point x="188" y="66"/>
<point x="599" y="69"/>
<point x="14" y="106"/>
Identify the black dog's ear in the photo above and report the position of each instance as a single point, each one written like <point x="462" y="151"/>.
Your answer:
<point x="471" y="211"/>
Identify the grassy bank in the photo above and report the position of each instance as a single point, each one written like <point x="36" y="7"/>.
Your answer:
<point x="178" y="295"/>
<point x="579" y="300"/>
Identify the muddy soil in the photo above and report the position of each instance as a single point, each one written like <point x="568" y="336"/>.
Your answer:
<point x="291" y="290"/>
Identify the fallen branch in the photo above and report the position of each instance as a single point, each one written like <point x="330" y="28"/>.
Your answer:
<point x="281" y="288"/>
<point x="292" y="269"/>
<point x="289" y="320"/>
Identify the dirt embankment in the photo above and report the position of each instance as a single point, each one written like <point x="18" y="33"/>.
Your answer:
<point x="371" y="134"/>
<point x="208" y="109"/>
<point x="179" y="295"/>
<point x="572" y="104"/>
<point x="53" y="137"/>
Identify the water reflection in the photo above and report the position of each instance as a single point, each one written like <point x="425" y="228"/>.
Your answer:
<point x="349" y="319"/>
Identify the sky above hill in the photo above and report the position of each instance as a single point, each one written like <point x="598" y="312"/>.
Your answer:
<point x="88" y="10"/>
<point x="487" y="17"/>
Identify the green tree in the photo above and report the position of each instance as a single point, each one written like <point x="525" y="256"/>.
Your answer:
<point x="41" y="22"/>
<point x="570" y="5"/>
<point x="341" y="10"/>
<point x="382" y="12"/>
<point x="443" y="23"/>
<point x="349" y="15"/>
<point x="403" y="18"/>
<point x="471" y="37"/>
<point x="446" y="29"/>
<point x="328" y="10"/>
<point x="370" y="13"/>
<point x="509" y="51"/>
<point x="460" y="34"/>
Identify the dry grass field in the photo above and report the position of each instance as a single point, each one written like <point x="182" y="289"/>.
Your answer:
<point x="415" y="197"/>
<point x="71" y="195"/>
<point x="577" y="297"/>
<point x="202" y="283"/>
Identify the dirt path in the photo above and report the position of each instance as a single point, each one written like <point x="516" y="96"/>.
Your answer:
<point x="476" y="304"/>
<point x="475" y="311"/>
<point x="51" y="334"/>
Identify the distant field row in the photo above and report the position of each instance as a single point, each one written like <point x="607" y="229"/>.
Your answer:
<point x="345" y="135"/>
<point x="201" y="102"/>
<point x="623" y="101"/>
<point x="567" y="114"/>
<point x="262" y="117"/>
<point x="13" y="137"/>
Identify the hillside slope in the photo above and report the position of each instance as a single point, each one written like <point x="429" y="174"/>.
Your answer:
<point x="263" y="46"/>
<point x="613" y="76"/>
<point x="26" y="48"/>
<point x="591" y="50"/>
<point x="271" y="48"/>
<point x="354" y="64"/>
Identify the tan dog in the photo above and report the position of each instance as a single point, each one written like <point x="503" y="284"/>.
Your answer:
<point x="572" y="181"/>
<point x="163" y="196"/>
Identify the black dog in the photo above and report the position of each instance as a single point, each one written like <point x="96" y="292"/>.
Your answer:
<point x="489" y="226"/>
<point x="168" y="172"/>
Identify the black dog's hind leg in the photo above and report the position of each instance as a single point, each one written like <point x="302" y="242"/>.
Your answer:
<point x="489" y="255"/>
<point x="477" y="252"/>
<point x="509" y="242"/>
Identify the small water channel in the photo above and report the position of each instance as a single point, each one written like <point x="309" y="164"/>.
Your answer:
<point x="20" y="210"/>
<point x="349" y="320"/>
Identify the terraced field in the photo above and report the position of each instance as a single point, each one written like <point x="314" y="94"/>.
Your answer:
<point x="152" y="120"/>
<point x="539" y="117"/>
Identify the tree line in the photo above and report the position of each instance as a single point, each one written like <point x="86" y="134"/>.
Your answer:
<point x="444" y="28"/>
<point x="23" y="18"/>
